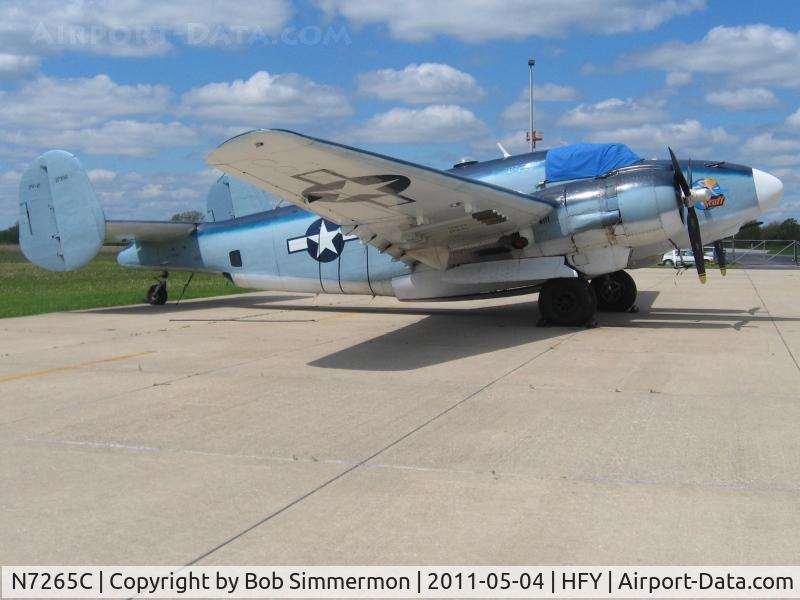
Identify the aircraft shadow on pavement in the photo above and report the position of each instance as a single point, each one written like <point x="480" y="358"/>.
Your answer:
<point x="450" y="334"/>
<point x="248" y="301"/>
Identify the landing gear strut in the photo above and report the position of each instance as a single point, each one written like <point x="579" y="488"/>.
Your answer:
<point x="616" y="292"/>
<point x="569" y="301"/>
<point x="157" y="293"/>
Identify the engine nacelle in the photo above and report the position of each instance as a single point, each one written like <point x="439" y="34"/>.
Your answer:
<point x="648" y="206"/>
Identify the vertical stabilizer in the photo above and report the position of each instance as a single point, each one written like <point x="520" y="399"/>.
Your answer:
<point x="61" y="224"/>
<point x="231" y="198"/>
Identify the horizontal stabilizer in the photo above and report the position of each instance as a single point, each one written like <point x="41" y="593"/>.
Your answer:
<point x="61" y="223"/>
<point x="147" y="231"/>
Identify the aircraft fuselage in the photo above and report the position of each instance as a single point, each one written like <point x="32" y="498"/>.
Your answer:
<point x="601" y="225"/>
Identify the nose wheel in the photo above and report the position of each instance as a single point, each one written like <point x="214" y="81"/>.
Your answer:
<point x="157" y="293"/>
<point x="616" y="292"/>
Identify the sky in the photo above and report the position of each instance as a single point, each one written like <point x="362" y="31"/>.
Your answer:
<point x="142" y="91"/>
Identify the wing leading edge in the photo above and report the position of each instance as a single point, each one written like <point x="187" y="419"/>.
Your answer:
<point x="409" y="211"/>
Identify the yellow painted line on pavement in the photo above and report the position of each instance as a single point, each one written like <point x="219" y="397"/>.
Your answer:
<point x="30" y="374"/>
<point x="341" y="316"/>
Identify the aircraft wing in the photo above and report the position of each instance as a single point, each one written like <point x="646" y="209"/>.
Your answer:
<point x="147" y="231"/>
<point x="409" y="211"/>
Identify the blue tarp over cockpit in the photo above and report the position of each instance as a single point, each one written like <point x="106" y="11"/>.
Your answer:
<point x="586" y="160"/>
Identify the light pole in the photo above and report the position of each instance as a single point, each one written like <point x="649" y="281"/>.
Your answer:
<point x="531" y="62"/>
<point x="531" y="134"/>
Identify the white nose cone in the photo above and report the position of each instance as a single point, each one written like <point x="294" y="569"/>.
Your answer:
<point x="769" y="189"/>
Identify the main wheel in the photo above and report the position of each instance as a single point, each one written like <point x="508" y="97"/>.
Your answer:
<point x="616" y="292"/>
<point x="668" y="263"/>
<point x="567" y="301"/>
<point x="157" y="294"/>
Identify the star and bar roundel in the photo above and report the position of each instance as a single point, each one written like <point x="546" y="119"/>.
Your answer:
<point x="330" y="186"/>
<point x="324" y="241"/>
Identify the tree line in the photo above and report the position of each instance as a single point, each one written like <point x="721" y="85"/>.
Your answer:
<point x="788" y="229"/>
<point x="10" y="235"/>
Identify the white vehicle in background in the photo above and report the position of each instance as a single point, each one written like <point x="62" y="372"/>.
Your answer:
<point x="681" y="258"/>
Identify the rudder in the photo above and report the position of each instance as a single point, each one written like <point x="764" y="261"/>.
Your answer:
<point x="61" y="223"/>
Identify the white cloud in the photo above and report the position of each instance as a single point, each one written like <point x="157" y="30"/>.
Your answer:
<point x="480" y="21"/>
<point x="10" y="176"/>
<point x="687" y="137"/>
<point x="793" y="120"/>
<point x="134" y="195"/>
<point x="610" y="113"/>
<point x="769" y="149"/>
<point x="437" y="123"/>
<point x="158" y="190"/>
<point x="677" y="78"/>
<point x="551" y="92"/>
<point x="80" y="102"/>
<point x="266" y="99"/>
<point x="121" y="138"/>
<point x="98" y="175"/>
<point x="133" y="27"/>
<point x="779" y="154"/>
<point x="752" y="54"/>
<point x="13" y="66"/>
<point x="513" y="141"/>
<point x="421" y="84"/>
<point x="743" y="98"/>
<point x="517" y="113"/>
<point x="92" y="115"/>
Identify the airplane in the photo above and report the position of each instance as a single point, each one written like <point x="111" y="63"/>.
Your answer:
<point x="566" y="222"/>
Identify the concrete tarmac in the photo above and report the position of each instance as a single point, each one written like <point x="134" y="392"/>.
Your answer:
<point x="274" y="428"/>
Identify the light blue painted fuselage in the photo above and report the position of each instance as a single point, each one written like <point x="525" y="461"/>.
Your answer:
<point x="254" y="252"/>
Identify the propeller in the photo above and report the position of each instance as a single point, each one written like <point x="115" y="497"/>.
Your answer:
<point x="719" y="251"/>
<point x="688" y="199"/>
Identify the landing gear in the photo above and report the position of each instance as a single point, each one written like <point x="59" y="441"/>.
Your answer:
<point x="616" y="292"/>
<point x="568" y="302"/>
<point x="157" y="293"/>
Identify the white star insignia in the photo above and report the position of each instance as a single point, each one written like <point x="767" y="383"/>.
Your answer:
<point x="325" y="239"/>
<point x="351" y="189"/>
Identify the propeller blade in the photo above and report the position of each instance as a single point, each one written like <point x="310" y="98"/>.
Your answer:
<point x="679" y="177"/>
<point x="693" y="225"/>
<point x="719" y="251"/>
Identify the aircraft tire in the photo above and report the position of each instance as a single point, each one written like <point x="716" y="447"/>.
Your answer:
<point x="157" y="294"/>
<point x="568" y="301"/>
<point x="616" y="292"/>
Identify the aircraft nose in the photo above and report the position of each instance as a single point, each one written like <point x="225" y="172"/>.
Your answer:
<point x="769" y="189"/>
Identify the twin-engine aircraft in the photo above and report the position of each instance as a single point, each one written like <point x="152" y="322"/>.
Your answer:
<point x="565" y="222"/>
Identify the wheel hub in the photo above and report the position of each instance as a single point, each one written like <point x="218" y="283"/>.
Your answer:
<point x="565" y="302"/>
<point x="612" y="290"/>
